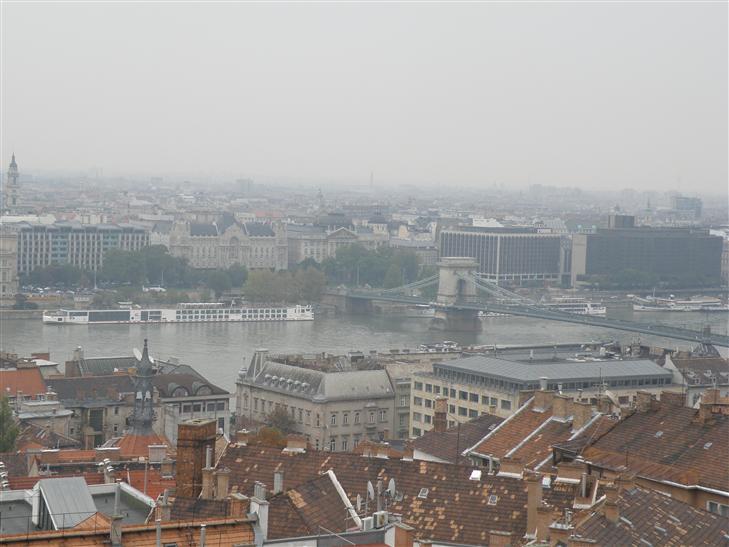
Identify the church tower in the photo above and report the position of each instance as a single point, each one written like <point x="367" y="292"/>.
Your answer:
<point x="141" y="420"/>
<point x="12" y="187"/>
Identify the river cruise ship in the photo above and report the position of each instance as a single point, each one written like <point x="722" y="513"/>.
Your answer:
<point x="183" y="313"/>
<point x="575" y="304"/>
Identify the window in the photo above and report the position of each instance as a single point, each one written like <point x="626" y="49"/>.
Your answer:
<point x="211" y="406"/>
<point x="462" y="411"/>
<point x="428" y="403"/>
<point x="494" y="401"/>
<point x="403" y="401"/>
<point x="333" y="419"/>
<point x="255" y="404"/>
<point x="371" y="417"/>
<point x="196" y="407"/>
<point x="383" y="415"/>
<point x="436" y="389"/>
<point x="463" y="395"/>
<point x="332" y="444"/>
<point x="318" y="420"/>
<point x="473" y="397"/>
<point x="356" y="417"/>
<point x="221" y="405"/>
<point x="505" y="405"/>
<point x="116" y="411"/>
<point x="484" y="400"/>
<point x="187" y="408"/>
<point x="345" y="419"/>
<point x="417" y="432"/>
<point x="473" y="413"/>
<point x="345" y="442"/>
<point x="417" y="417"/>
<point x="308" y="417"/>
<point x="429" y="388"/>
<point x="452" y="409"/>
<point x="419" y="386"/>
<point x="403" y="419"/>
<point x="428" y="419"/>
<point x="301" y="416"/>
<point x="717" y="508"/>
<point x="418" y="401"/>
<point x="453" y="393"/>
<point x="116" y="429"/>
<point x="221" y="423"/>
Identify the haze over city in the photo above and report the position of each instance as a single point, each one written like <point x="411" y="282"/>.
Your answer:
<point x="590" y="95"/>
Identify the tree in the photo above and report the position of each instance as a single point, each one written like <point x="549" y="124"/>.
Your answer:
<point x="264" y="286"/>
<point x="269" y="436"/>
<point x="282" y="420"/>
<point x="238" y="275"/>
<point x="218" y="282"/>
<point x="393" y="277"/>
<point x="8" y="426"/>
<point x="310" y="283"/>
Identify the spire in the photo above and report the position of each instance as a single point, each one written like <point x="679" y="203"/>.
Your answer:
<point x="143" y="415"/>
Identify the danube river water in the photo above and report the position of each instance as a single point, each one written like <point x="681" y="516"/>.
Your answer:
<point x="218" y="350"/>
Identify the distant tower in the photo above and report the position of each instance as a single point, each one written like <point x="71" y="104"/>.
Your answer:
<point x="143" y="415"/>
<point x="12" y="187"/>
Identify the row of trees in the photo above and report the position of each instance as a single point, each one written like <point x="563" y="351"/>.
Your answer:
<point x="303" y="285"/>
<point x="383" y="267"/>
<point x="636" y="279"/>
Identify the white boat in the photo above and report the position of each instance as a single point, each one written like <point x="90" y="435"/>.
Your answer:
<point x="184" y="313"/>
<point x="575" y="304"/>
<point x="695" y="304"/>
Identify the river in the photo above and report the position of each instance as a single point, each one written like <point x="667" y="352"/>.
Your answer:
<point x="218" y="350"/>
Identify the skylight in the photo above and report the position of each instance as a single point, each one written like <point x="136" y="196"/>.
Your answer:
<point x="493" y="498"/>
<point x="659" y="433"/>
<point x="423" y="494"/>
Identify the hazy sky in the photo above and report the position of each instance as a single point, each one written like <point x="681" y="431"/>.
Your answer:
<point x="596" y="95"/>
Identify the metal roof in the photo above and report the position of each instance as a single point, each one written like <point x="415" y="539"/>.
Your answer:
<point x="68" y="500"/>
<point x="559" y="370"/>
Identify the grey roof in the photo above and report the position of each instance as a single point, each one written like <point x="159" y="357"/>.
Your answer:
<point x="191" y="384"/>
<point x="259" y="229"/>
<point x="96" y="389"/>
<point x="99" y="366"/>
<point x="15" y="513"/>
<point x="322" y="386"/>
<point x="68" y="500"/>
<point x="197" y="229"/>
<point x="559" y="370"/>
<point x="162" y="226"/>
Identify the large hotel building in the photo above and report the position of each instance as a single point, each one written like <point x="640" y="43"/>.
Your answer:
<point x="79" y="245"/>
<point x="514" y="255"/>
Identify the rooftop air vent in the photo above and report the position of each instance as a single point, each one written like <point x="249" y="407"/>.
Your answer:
<point x="423" y="494"/>
<point x="493" y="499"/>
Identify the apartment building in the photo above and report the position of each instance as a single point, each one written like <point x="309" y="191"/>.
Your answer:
<point x="492" y="384"/>
<point x="334" y="410"/>
<point x="8" y="265"/>
<point x="80" y="245"/>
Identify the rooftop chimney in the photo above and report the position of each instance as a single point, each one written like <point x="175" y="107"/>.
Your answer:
<point x="207" y="476"/>
<point x="534" y="500"/>
<point x="543" y="399"/>
<point x="543" y="383"/>
<point x="561" y="407"/>
<point x="440" y="420"/>
<point x="673" y="398"/>
<point x="222" y="483"/>
<point x="242" y="436"/>
<point x="497" y="538"/>
<point x="581" y="414"/>
<point x="278" y="482"/>
<point x="610" y="508"/>
<point x="643" y="401"/>
<point x="295" y="443"/>
<point x="511" y="467"/>
<point x="193" y="438"/>
<point x="238" y="505"/>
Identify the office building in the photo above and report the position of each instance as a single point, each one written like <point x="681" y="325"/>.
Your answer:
<point x="669" y="252"/>
<point x="512" y="255"/>
<point x="79" y="245"/>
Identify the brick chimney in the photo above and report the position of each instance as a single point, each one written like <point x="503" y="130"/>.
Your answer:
<point x="440" y="420"/>
<point x="570" y="472"/>
<point x="673" y="398"/>
<point x="534" y="501"/>
<point x="295" y="443"/>
<point x="497" y="538"/>
<point x="511" y="467"/>
<point x="193" y="438"/>
<point x="544" y="519"/>
<point x="222" y="483"/>
<point x="404" y="535"/>
<point x="643" y="401"/>
<point x="543" y="399"/>
<point x="238" y="505"/>
<point x="610" y="508"/>
<point x="207" y="489"/>
<point x="561" y="407"/>
<point x="581" y="414"/>
<point x="242" y="436"/>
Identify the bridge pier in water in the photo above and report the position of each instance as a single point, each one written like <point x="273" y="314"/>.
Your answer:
<point x="452" y="288"/>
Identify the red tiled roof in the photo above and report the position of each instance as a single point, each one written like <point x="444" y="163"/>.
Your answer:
<point x="26" y="483"/>
<point x="667" y="443"/>
<point x="446" y="444"/>
<point x="651" y="518"/>
<point x="27" y="380"/>
<point x="132" y="446"/>
<point x="513" y="431"/>
<point x="156" y="484"/>
<point x="454" y="508"/>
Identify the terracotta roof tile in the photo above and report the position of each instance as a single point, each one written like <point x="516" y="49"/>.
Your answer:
<point x="451" y="496"/>
<point x="156" y="483"/>
<point x="131" y="446"/>
<point x="666" y="443"/>
<point x="446" y="444"/>
<point x="650" y="518"/>
<point x="28" y="380"/>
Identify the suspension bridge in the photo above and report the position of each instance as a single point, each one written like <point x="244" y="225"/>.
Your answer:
<point x="463" y="296"/>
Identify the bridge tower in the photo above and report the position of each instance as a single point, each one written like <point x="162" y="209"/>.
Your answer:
<point x="452" y="289"/>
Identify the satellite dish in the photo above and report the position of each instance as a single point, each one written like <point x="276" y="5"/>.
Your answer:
<point x="151" y="359"/>
<point x="391" y="488"/>
<point x="359" y="503"/>
<point x="137" y="354"/>
<point x="370" y="490"/>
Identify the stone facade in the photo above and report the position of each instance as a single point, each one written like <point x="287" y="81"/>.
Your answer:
<point x="221" y="244"/>
<point x="8" y="266"/>
<point x="334" y="410"/>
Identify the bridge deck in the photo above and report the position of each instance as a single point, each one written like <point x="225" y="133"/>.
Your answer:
<point x="551" y="315"/>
